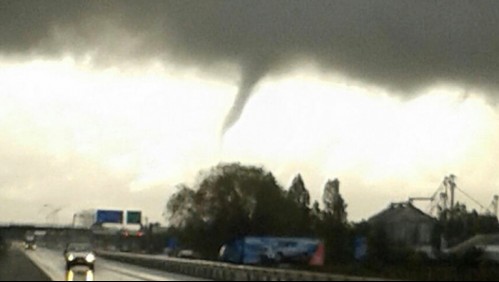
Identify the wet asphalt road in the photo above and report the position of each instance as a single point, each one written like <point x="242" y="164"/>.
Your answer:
<point x="15" y="266"/>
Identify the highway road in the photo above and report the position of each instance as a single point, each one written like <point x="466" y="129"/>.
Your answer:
<point x="15" y="266"/>
<point x="52" y="263"/>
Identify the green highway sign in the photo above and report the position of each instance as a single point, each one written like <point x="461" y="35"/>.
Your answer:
<point x="133" y="217"/>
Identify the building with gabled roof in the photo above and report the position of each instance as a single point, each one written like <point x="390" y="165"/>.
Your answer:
<point x="405" y="225"/>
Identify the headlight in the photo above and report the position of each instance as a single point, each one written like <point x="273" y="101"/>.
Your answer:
<point x="90" y="258"/>
<point x="71" y="257"/>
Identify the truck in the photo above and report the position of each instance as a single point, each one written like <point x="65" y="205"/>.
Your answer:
<point x="273" y="250"/>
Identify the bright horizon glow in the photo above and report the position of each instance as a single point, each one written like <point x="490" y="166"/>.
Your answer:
<point x="144" y="131"/>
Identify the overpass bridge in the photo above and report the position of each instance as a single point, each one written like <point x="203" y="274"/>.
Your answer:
<point x="50" y="233"/>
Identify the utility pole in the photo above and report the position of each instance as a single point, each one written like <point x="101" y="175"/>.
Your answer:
<point x="450" y="182"/>
<point x="444" y="198"/>
<point x="452" y="191"/>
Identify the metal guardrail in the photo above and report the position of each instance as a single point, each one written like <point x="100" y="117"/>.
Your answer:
<point x="225" y="272"/>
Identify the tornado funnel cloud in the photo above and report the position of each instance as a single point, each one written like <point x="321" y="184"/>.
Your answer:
<point x="237" y="108"/>
<point x="250" y="76"/>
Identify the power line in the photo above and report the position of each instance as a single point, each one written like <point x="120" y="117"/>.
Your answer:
<point x="442" y="199"/>
<point x="471" y="198"/>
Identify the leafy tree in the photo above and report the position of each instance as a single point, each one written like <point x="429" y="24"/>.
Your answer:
<point x="180" y="208"/>
<point x="298" y="208"/>
<point x="298" y="193"/>
<point x="316" y="218"/>
<point x="459" y="225"/>
<point x="334" y="227"/>
<point x="231" y="201"/>
<point x="333" y="201"/>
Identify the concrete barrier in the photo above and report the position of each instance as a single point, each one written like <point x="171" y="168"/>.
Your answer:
<point x="225" y="272"/>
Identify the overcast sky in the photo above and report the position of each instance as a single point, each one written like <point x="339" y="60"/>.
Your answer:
<point x="111" y="104"/>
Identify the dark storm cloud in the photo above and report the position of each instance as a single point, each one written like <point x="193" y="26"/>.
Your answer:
<point x="400" y="45"/>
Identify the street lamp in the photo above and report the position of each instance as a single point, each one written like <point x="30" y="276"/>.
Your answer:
<point x="53" y="211"/>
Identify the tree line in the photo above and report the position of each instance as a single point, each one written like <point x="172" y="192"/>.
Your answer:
<point x="230" y="201"/>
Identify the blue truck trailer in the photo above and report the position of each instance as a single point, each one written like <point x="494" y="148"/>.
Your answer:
<point x="273" y="250"/>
